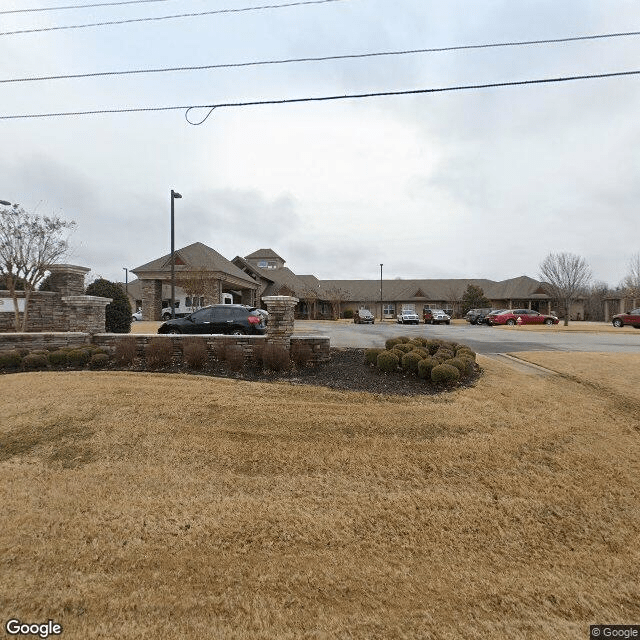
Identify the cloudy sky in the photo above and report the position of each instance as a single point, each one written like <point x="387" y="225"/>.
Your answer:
<point x="480" y="183"/>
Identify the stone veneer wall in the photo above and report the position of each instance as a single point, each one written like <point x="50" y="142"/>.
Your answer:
<point x="319" y="344"/>
<point x="281" y="319"/>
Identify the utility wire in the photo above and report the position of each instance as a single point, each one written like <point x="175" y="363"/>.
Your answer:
<point x="171" y="17"/>
<point x="79" y="6"/>
<point x="232" y="65"/>
<point x="352" y="96"/>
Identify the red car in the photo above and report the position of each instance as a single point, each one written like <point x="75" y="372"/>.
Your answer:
<point x="632" y="318"/>
<point x="527" y="316"/>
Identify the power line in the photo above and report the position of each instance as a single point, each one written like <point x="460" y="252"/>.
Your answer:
<point x="79" y="6"/>
<point x="352" y="96"/>
<point x="232" y="65"/>
<point x="171" y="17"/>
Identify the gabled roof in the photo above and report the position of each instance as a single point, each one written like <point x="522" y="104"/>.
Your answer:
<point x="196" y="256"/>
<point x="266" y="254"/>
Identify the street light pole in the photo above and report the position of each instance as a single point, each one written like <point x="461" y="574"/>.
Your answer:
<point x="126" y="279"/>
<point x="174" y="195"/>
<point x="381" y="312"/>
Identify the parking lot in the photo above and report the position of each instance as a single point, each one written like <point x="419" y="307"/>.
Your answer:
<point x="591" y="337"/>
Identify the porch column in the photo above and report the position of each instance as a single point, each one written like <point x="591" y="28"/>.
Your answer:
<point x="606" y="311"/>
<point x="151" y="299"/>
<point x="280" y="324"/>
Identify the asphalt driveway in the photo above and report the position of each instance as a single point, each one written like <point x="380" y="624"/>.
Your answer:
<point x="482" y="339"/>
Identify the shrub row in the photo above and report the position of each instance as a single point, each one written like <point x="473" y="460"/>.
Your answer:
<point x="158" y="354"/>
<point x="439" y="362"/>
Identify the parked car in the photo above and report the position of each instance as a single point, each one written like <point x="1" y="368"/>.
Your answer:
<point x="435" y="316"/>
<point x="363" y="316"/>
<point x="526" y="316"/>
<point x="632" y="318"/>
<point x="408" y="317"/>
<point x="489" y="317"/>
<point x="236" y="319"/>
<point x="476" y="316"/>
<point x="137" y="316"/>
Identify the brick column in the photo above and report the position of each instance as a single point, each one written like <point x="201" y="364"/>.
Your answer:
<point x="151" y="299"/>
<point x="67" y="279"/>
<point x="85" y="313"/>
<point x="280" y="325"/>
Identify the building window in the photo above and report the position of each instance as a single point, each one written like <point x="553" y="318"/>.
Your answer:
<point x="262" y="263"/>
<point x="389" y="309"/>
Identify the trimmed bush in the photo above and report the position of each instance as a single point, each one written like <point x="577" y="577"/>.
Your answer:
<point x="371" y="356"/>
<point x="300" y="354"/>
<point x="158" y="353"/>
<point x="392" y="342"/>
<point x="466" y="352"/>
<point x="459" y="364"/>
<point x="410" y="362"/>
<point x="387" y="361"/>
<point x="443" y="354"/>
<point x="347" y="313"/>
<point x="23" y="352"/>
<point x="405" y="347"/>
<point x="118" y="311"/>
<point x="99" y="361"/>
<point x="34" y="362"/>
<point x="275" y="358"/>
<point x="79" y="357"/>
<point x="10" y="360"/>
<point x="425" y="366"/>
<point x="432" y="346"/>
<point x="421" y="351"/>
<point x="59" y="358"/>
<point x="125" y="352"/>
<point x="444" y="374"/>
<point x="194" y="353"/>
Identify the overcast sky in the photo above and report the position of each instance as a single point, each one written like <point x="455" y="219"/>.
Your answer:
<point x="479" y="184"/>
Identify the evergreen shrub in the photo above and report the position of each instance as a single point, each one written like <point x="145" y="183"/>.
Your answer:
<point x="444" y="374"/>
<point x="387" y="361"/>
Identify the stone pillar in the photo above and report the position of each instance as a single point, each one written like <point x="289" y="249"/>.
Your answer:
<point x="67" y="279"/>
<point x="85" y="313"/>
<point x="280" y="325"/>
<point x="151" y="299"/>
<point x="606" y="311"/>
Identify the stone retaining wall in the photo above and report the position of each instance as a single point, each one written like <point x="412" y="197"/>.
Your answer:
<point x="319" y="344"/>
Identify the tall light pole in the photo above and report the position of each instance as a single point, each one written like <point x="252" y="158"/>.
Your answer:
<point x="381" y="312"/>
<point x="126" y="279"/>
<point x="174" y="195"/>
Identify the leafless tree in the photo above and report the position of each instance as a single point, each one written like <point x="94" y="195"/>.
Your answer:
<point x="198" y="283"/>
<point x="335" y="297"/>
<point x="595" y="296"/>
<point x="631" y="282"/>
<point x="309" y="296"/>
<point x="29" y="245"/>
<point x="565" y="276"/>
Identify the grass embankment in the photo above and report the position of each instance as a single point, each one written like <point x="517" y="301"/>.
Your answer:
<point x="146" y="505"/>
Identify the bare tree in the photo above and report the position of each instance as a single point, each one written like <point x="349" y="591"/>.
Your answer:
<point x="335" y="297"/>
<point x="631" y="283"/>
<point x="197" y="284"/>
<point x="29" y="245"/>
<point x="309" y="296"/>
<point x="565" y="276"/>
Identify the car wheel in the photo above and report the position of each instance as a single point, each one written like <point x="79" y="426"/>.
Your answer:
<point x="166" y="316"/>
<point x="511" y="322"/>
<point x="618" y="323"/>
<point x="238" y="332"/>
<point x="548" y="321"/>
<point x="173" y="331"/>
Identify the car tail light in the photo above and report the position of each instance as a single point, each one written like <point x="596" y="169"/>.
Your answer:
<point x="254" y="320"/>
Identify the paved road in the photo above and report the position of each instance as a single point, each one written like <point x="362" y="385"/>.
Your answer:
<point x="486" y="340"/>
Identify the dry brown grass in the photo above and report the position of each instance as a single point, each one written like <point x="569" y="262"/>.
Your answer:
<point x="148" y="505"/>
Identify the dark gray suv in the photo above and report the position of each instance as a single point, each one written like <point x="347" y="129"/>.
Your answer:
<point x="236" y="319"/>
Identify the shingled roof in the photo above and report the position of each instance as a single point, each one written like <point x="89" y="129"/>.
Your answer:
<point x="196" y="256"/>
<point x="267" y="254"/>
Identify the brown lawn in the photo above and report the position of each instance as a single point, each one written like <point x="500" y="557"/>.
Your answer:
<point x="157" y="506"/>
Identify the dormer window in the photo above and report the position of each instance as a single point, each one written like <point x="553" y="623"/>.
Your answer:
<point x="262" y="264"/>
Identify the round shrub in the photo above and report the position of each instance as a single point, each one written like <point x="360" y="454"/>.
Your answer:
<point x="405" y="347"/>
<point x="443" y="354"/>
<point x="444" y="374"/>
<point x="468" y="363"/>
<point x="118" y="311"/>
<point x="392" y="342"/>
<point x="458" y="363"/>
<point x="34" y="361"/>
<point x="398" y="352"/>
<point x="387" y="361"/>
<point x="347" y="313"/>
<point x="10" y="360"/>
<point x="371" y="356"/>
<point x="410" y="362"/>
<point x="432" y="346"/>
<point x="59" y="358"/>
<point x="194" y="353"/>
<point x="425" y="366"/>
<point x="79" y="357"/>
<point x="423" y="352"/>
<point x="466" y="352"/>
<point x="99" y="361"/>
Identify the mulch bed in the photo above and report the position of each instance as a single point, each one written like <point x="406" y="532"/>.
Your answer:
<point x="346" y="371"/>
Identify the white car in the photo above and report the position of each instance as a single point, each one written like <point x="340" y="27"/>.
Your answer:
<point x="440" y="317"/>
<point x="136" y="316"/>
<point x="408" y="317"/>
